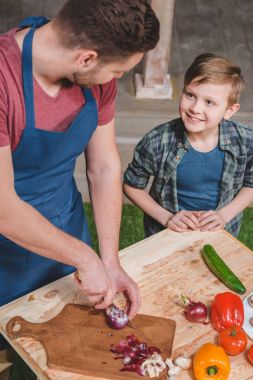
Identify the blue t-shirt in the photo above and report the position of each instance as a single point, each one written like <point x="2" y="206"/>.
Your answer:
<point x="199" y="177"/>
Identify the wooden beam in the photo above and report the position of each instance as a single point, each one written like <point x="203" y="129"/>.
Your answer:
<point x="155" y="80"/>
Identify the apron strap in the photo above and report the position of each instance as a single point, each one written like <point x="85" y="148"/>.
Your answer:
<point x="87" y="93"/>
<point x="27" y="71"/>
<point x="33" y="21"/>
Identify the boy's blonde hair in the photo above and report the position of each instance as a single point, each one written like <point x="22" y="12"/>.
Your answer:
<point x="216" y="69"/>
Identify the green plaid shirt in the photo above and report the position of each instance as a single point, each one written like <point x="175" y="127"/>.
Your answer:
<point x="161" y="150"/>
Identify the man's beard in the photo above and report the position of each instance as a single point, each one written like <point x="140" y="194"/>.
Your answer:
<point x="87" y="79"/>
<point x="77" y="81"/>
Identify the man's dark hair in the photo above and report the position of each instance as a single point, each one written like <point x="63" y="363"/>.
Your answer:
<point x="113" y="28"/>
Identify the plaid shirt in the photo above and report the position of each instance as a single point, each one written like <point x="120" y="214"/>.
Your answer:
<point x="161" y="150"/>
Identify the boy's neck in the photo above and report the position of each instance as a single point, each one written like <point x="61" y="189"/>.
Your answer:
<point x="204" y="141"/>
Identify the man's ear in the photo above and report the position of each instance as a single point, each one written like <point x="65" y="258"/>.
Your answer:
<point x="231" y="110"/>
<point x="87" y="59"/>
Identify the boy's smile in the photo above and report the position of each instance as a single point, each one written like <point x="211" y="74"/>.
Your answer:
<point x="203" y="106"/>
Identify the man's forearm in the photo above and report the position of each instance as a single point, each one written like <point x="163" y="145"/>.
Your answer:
<point x="243" y="199"/>
<point x="106" y="197"/>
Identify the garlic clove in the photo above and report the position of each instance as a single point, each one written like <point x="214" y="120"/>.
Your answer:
<point x="183" y="361"/>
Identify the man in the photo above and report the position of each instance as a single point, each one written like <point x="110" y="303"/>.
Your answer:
<point x="57" y="99"/>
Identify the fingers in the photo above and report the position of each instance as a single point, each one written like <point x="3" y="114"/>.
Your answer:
<point x="212" y="226"/>
<point x="101" y="296"/>
<point x="191" y="221"/>
<point x="210" y="221"/>
<point x="203" y="220"/>
<point x="94" y="300"/>
<point x="106" y="301"/>
<point x="206" y="217"/>
<point x="197" y="213"/>
<point x="134" y="301"/>
<point x="183" y="221"/>
<point x="177" y="225"/>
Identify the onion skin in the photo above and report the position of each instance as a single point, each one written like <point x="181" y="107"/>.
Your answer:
<point x="116" y="319"/>
<point x="196" y="312"/>
<point x="250" y="300"/>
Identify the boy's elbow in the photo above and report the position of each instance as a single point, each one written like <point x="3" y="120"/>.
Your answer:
<point x="129" y="190"/>
<point x="125" y="188"/>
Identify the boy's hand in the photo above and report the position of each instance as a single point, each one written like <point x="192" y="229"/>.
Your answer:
<point x="211" y="221"/>
<point x="183" y="221"/>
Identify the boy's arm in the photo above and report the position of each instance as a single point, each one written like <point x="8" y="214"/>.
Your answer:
<point x="180" y="222"/>
<point x="136" y="178"/>
<point x="143" y="200"/>
<point x="214" y="220"/>
<point x="243" y="199"/>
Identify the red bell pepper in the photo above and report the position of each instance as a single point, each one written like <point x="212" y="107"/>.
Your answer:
<point x="227" y="311"/>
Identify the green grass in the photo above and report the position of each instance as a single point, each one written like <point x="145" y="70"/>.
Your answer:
<point x="131" y="226"/>
<point x="246" y="233"/>
<point x="131" y="232"/>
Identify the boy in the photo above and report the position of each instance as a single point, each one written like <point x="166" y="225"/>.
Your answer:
<point x="202" y="163"/>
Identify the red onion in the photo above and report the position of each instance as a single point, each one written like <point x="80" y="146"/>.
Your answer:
<point x="117" y="319"/>
<point x="133" y="353"/>
<point x="126" y="360"/>
<point x="153" y="350"/>
<point x="136" y="367"/>
<point x="195" y="311"/>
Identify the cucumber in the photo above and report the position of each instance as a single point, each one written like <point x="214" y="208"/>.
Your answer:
<point x="221" y="270"/>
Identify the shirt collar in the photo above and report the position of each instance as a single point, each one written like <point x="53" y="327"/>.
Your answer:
<point x="182" y="138"/>
<point x="225" y="141"/>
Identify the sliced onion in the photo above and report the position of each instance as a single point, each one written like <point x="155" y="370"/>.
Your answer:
<point x="135" y="353"/>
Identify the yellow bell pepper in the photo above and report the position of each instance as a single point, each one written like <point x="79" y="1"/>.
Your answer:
<point x="211" y="363"/>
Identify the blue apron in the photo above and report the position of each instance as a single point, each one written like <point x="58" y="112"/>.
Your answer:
<point x="44" y="164"/>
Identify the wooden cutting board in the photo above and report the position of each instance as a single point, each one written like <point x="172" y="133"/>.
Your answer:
<point x="78" y="340"/>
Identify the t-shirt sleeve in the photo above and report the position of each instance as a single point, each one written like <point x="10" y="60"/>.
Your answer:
<point x="142" y="166"/>
<point x="106" y="99"/>
<point x="4" y="134"/>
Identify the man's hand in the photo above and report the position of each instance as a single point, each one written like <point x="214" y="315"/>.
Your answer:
<point x="211" y="221"/>
<point x="122" y="283"/>
<point x="183" y="221"/>
<point x="94" y="282"/>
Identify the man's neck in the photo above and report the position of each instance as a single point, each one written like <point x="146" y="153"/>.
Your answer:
<point x="48" y="65"/>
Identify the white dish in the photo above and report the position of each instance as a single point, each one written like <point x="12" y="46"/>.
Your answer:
<point x="248" y="313"/>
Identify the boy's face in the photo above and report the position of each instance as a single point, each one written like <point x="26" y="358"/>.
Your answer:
<point x="203" y="106"/>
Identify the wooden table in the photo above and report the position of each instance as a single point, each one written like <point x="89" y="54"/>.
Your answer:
<point x="165" y="266"/>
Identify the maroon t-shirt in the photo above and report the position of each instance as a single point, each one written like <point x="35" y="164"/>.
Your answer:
<point x="51" y="113"/>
